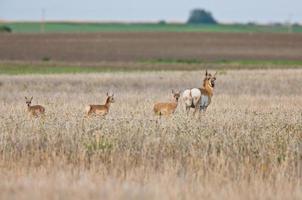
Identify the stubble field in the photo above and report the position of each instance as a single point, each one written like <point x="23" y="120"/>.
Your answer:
<point x="247" y="146"/>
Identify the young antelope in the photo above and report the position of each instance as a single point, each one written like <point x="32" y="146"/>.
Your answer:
<point x="101" y="110"/>
<point x="34" y="110"/>
<point x="167" y="108"/>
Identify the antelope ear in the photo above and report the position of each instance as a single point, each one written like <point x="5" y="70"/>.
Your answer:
<point x="173" y="92"/>
<point x="112" y="94"/>
<point x="215" y="74"/>
<point x="107" y="94"/>
<point x="206" y="72"/>
<point x="31" y="98"/>
<point x="25" y="98"/>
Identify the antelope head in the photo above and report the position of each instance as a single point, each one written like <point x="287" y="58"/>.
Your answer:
<point x="209" y="79"/>
<point x="28" y="101"/>
<point x="176" y="95"/>
<point x="110" y="98"/>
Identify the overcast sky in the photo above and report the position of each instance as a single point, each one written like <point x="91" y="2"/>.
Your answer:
<point x="263" y="11"/>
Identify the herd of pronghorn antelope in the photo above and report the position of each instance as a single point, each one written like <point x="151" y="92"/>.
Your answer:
<point x="196" y="98"/>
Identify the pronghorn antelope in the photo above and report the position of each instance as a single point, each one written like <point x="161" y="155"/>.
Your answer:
<point x="101" y="109"/>
<point x="34" y="110"/>
<point x="168" y="107"/>
<point x="200" y="98"/>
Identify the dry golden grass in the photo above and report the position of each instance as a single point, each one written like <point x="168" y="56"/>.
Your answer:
<point x="247" y="146"/>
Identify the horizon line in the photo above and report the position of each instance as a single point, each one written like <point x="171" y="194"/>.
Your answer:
<point x="132" y="22"/>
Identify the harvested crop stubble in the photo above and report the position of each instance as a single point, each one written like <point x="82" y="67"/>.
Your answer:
<point x="250" y="138"/>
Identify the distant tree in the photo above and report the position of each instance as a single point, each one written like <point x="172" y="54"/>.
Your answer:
<point x="5" y="29"/>
<point x="252" y="23"/>
<point x="162" y="22"/>
<point x="201" y="16"/>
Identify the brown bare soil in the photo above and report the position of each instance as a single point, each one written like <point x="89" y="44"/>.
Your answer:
<point x="98" y="47"/>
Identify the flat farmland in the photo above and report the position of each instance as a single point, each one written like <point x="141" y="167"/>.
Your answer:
<point x="138" y="47"/>
<point x="248" y="145"/>
<point x="63" y="27"/>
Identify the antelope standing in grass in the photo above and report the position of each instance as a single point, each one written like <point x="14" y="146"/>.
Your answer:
<point x="200" y="98"/>
<point x="34" y="110"/>
<point x="101" y="110"/>
<point x="167" y="108"/>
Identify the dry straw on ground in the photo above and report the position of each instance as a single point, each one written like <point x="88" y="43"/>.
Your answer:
<point x="247" y="146"/>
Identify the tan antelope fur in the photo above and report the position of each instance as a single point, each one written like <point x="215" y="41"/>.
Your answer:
<point x="34" y="110"/>
<point x="101" y="110"/>
<point x="200" y="98"/>
<point x="167" y="108"/>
